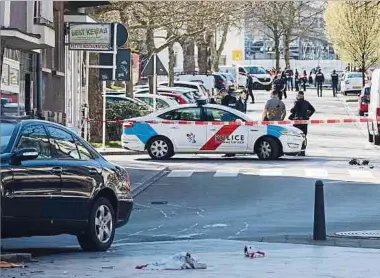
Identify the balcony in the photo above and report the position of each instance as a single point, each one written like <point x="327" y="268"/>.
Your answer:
<point x="44" y="22"/>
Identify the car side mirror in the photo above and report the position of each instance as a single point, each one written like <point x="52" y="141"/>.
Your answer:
<point x="26" y="154"/>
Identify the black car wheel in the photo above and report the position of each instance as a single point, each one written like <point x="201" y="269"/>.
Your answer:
<point x="160" y="148"/>
<point x="268" y="149"/>
<point x="101" y="227"/>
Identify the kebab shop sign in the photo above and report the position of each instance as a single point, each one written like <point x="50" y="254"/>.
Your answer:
<point x="90" y="36"/>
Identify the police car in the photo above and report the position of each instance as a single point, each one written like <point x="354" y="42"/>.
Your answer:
<point x="208" y="128"/>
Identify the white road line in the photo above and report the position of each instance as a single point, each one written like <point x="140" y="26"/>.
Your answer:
<point x="180" y="174"/>
<point x="271" y="172"/>
<point x="315" y="172"/>
<point x="226" y="173"/>
<point x="361" y="174"/>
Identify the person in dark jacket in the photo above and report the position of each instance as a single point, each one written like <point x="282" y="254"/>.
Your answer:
<point x="241" y="104"/>
<point x="304" y="80"/>
<point x="334" y="81"/>
<point x="228" y="99"/>
<point x="250" y="88"/>
<point x="311" y="78"/>
<point x="279" y="85"/>
<point x="289" y="78"/>
<point x="297" y="80"/>
<point x="319" y="79"/>
<point x="302" y="110"/>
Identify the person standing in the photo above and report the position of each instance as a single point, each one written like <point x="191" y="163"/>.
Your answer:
<point x="311" y="78"/>
<point x="297" y="80"/>
<point x="250" y="88"/>
<point x="274" y="109"/>
<point x="284" y="81"/>
<point x="319" y="79"/>
<point x="304" y="80"/>
<point x="228" y="99"/>
<point x="278" y="85"/>
<point x="334" y="81"/>
<point x="289" y="78"/>
<point x="302" y="110"/>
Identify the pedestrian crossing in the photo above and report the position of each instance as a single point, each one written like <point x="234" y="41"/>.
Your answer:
<point x="356" y="175"/>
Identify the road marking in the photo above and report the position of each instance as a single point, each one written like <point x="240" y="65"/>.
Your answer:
<point x="315" y="172"/>
<point x="226" y="173"/>
<point x="180" y="174"/>
<point x="360" y="174"/>
<point x="271" y="172"/>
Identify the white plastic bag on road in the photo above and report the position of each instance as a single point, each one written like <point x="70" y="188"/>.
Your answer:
<point x="179" y="261"/>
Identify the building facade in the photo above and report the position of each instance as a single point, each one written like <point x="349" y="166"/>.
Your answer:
<point x="33" y="75"/>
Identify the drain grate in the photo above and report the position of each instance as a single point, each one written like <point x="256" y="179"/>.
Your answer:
<point x="362" y="234"/>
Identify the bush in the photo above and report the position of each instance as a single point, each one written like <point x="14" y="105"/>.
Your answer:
<point x="120" y="111"/>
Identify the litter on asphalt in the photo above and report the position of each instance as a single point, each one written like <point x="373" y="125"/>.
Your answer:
<point x="180" y="261"/>
<point x="252" y="253"/>
<point x="4" y="264"/>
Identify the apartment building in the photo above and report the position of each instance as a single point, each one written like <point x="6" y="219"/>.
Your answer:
<point x="32" y="36"/>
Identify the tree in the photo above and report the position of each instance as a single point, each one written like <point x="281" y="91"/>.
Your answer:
<point x="354" y="30"/>
<point x="298" y="19"/>
<point x="269" y="14"/>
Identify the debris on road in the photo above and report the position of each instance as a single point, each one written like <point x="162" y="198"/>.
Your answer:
<point x="252" y="253"/>
<point x="180" y="261"/>
<point x="4" y="264"/>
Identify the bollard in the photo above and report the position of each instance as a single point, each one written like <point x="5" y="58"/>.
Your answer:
<point x="319" y="231"/>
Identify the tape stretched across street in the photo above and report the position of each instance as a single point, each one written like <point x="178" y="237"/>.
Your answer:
<point x="254" y="123"/>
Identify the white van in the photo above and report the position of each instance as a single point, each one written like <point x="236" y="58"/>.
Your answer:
<point x="374" y="109"/>
<point x="261" y="78"/>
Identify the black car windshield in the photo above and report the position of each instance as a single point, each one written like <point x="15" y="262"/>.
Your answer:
<point x="6" y="131"/>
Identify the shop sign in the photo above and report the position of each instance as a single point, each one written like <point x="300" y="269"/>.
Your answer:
<point x="90" y="36"/>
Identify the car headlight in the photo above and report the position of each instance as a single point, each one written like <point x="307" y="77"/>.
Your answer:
<point x="291" y="133"/>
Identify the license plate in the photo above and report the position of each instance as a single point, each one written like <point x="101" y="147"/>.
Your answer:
<point x="357" y="87"/>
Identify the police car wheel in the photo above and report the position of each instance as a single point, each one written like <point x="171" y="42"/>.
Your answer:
<point x="160" y="148"/>
<point x="268" y="149"/>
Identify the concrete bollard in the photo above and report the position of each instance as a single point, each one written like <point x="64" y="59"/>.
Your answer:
<point x="319" y="229"/>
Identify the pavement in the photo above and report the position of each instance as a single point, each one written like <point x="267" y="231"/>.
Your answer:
<point x="193" y="199"/>
<point x="223" y="259"/>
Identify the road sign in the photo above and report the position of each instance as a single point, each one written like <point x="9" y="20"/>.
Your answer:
<point x="237" y="55"/>
<point x="148" y="69"/>
<point x="123" y="65"/>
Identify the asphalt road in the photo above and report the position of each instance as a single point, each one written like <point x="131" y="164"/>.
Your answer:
<point x="248" y="203"/>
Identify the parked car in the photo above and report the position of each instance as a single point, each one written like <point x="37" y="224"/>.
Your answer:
<point x="351" y="82"/>
<point x="188" y="94"/>
<point x="54" y="182"/>
<point x="364" y="100"/>
<point x="200" y="89"/>
<point x="181" y="99"/>
<point x="374" y="109"/>
<point x="161" y="101"/>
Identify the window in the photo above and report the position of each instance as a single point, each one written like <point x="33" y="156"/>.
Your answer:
<point x="35" y="136"/>
<point x="161" y="104"/>
<point x="185" y="114"/>
<point x="85" y="154"/>
<point x="63" y="143"/>
<point x="217" y="115"/>
<point x="6" y="131"/>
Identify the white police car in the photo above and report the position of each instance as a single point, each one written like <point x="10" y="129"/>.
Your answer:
<point x="208" y="128"/>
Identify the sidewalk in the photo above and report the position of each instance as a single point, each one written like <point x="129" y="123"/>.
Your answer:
<point x="224" y="258"/>
<point x="117" y="151"/>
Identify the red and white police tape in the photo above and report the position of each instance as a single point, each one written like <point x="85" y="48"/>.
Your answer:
<point x="251" y="123"/>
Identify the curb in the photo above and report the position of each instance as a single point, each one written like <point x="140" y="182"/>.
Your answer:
<point x="148" y="181"/>
<point x="16" y="257"/>
<point x="119" y="153"/>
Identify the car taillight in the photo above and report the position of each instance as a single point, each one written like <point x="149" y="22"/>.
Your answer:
<point x="128" y="124"/>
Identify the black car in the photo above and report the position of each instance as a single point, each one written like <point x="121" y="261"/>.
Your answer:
<point x="54" y="182"/>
